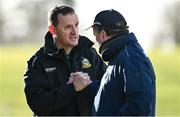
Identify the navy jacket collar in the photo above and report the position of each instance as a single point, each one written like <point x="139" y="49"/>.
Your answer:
<point x="113" y="46"/>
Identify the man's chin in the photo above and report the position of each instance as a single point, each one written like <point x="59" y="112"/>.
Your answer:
<point x="74" y="44"/>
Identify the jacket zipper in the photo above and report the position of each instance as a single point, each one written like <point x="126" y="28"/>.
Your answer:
<point x="68" y="63"/>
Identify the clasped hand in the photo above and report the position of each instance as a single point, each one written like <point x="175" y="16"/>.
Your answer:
<point x="80" y="80"/>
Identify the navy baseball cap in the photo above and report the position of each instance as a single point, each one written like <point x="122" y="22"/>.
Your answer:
<point x="110" y="19"/>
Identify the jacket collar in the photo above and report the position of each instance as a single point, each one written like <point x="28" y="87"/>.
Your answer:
<point x="51" y="49"/>
<point x="110" y="48"/>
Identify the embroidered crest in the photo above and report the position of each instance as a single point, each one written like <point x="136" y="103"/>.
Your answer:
<point x="85" y="63"/>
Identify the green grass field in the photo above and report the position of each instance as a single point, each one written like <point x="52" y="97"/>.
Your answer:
<point x="13" y="63"/>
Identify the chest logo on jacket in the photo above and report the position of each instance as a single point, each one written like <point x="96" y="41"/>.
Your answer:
<point x="85" y="63"/>
<point x="106" y="78"/>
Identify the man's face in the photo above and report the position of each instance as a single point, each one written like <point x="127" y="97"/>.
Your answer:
<point x="67" y="31"/>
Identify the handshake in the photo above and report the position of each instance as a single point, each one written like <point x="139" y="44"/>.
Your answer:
<point x="80" y="80"/>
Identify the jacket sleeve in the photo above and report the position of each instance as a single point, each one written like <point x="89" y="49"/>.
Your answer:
<point x="40" y="98"/>
<point x="137" y="88"/>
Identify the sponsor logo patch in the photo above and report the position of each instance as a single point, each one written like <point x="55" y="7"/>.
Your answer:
<point x="86" y="63"/>
<point x="51" y="69"/>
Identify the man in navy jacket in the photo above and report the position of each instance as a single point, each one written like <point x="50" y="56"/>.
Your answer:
<point x="128" y="85"/>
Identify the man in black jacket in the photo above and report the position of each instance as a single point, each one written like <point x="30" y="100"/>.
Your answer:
<point x="46" y="79"/>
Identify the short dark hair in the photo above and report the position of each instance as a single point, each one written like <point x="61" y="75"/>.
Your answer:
<point x="53" y="14"/>
<point x="111" y="32"/>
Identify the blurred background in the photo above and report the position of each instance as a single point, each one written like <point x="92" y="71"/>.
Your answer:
<point x="23" y="24"/>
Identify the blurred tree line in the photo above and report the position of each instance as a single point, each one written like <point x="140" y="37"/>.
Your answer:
<point x="169" y="32"/>
<point x="1" y="23"/>
<point x="173" y="19"/>
<point x="31" y="22"/>
<point x="27" y="21"/>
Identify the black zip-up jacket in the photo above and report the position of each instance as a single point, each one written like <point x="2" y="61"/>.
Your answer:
<point x="48" y="72"/>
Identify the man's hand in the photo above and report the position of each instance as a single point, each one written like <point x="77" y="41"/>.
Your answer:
<point x="80" y="80"/>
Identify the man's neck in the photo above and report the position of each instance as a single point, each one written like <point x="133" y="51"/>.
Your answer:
<point x="67" y="49"/>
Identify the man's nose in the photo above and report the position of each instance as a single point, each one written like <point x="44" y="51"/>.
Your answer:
<point x="74" y="29"/>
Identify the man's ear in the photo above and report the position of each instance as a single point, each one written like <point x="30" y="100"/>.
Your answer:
<point x="52" y="30"/>
<point x="104" y="35"/>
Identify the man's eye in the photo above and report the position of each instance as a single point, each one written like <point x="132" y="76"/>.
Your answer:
<point x="68" y="26"/>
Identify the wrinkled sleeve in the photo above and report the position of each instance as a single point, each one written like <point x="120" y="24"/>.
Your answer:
<point x="137" y="88"/>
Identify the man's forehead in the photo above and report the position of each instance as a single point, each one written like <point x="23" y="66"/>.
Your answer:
<point x="69" y="14"/>
<point x="69" y="18"/>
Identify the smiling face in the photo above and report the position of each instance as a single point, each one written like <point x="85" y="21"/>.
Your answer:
<point x="67" y="31"/>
